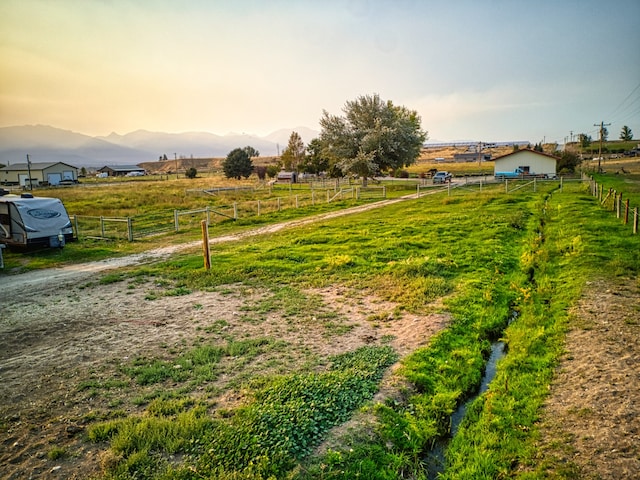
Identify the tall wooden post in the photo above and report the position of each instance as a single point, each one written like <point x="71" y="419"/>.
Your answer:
<point x="626" y="211"/>
<point x="205" y="245"/>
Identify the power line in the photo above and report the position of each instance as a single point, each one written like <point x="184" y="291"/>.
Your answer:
<point x="615" y="110"/>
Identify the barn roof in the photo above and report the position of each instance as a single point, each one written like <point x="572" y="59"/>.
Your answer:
<point x="34" y="166"/>
<point x="516" y="152"/>
<point x="121" y="168"/>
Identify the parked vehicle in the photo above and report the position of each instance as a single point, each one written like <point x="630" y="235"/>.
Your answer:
<point x="27" y="221"/>
<point x="521" y="173"/>
<point x="442" y="177"/>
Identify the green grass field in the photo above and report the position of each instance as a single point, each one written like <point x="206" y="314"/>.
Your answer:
<point x="485" y="257"/>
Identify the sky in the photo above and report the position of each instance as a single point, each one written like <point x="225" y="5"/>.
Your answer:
<point x="481" y="70"/>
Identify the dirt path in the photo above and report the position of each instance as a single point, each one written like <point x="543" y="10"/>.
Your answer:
<point x="591" y="422"/>
<point x="55" y="278"/>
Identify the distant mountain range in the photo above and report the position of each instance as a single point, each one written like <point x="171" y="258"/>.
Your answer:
<point x="49" y="144"/>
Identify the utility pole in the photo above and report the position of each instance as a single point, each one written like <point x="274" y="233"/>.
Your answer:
<point x="29" y="171"/>
<point x="175" y="157"/>
<point x="602" y="125"/>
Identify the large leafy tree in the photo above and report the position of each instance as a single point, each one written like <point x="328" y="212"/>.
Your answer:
<point x="314" y="161"/>
<point x="626" y="134"/>
<point x="238" y="164"/>
<point x="373" y="136"/>
<point x="293" y="155"/>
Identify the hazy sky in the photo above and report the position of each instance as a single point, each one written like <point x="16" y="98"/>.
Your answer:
<point x="480" y="70"/>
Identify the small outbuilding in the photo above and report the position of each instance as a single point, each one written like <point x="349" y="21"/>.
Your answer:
<point x="528" y="161"/>
<point x="122" y="170"/>
<point x="40" y="173"/>
<point x="287" y="177"/>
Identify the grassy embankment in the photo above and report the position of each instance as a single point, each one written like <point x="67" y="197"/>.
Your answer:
<point x="487" y="254"/>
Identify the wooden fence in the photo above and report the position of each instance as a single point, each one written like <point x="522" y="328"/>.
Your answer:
<point x="140" y="226"/>
<point x="613" y="200"/>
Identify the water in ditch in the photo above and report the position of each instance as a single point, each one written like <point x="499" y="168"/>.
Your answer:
<point x="434" y="460"/>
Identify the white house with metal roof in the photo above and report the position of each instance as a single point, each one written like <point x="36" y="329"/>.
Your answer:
<point x="528" y="161"/>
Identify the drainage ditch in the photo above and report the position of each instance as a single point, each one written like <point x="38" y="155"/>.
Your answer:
<point x="435" y="460"/>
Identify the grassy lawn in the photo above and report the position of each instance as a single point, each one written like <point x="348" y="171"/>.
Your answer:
<point x="502" y="265"/>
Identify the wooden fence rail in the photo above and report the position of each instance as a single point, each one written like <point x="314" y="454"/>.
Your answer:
<point x="612" y="200"/>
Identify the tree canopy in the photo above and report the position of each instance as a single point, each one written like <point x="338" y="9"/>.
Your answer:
<point x="314" y="161"/>
<point x="252" y="152"/>
<point x="293" y="156"/>
<point x="373" y="136"/>
<point x="238" y="164"/>
<point x="585" y="140"/>
<point x="626" y="134"/>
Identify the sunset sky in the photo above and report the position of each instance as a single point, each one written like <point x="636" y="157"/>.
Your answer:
<point x="475" y="70"/>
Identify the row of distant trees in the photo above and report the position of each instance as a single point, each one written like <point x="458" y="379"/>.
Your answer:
<point x="372" y="137"/>
<point x="626" y="135"/>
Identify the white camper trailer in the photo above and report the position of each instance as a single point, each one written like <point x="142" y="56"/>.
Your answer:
<point x="27" y="221"/>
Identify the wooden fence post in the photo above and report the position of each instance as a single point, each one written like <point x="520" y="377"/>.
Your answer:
<point x="175" y="219"/>
<point x="235" y="210"/>
<point x="618" y="205"/>
<point x="635" y="220"/>
<point x="626" y="212"/>
<point x="205" y="245"/>
<point x="130" y="229"/>
<point x="258" y="207"/>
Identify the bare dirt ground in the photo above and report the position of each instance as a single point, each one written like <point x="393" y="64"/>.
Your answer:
<point x="67" y="330"/>
<point x="54" y="342"/>
<point x="591" y="423"/>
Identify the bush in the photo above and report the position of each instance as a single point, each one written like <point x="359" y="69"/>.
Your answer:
<point x="191" y="173"/>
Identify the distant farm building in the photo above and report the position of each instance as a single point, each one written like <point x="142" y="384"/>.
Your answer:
<point x="471" y="157"/>
<point x="287" y="177"/>
<point x="529" y="161"/>
<point x="122" y="170"/>
<point x="41" y="174"/>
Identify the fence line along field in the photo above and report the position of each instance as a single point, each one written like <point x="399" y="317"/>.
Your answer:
<point x="334" y="349"/>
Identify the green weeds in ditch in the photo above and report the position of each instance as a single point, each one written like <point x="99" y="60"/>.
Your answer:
<point x="574" y="241"/>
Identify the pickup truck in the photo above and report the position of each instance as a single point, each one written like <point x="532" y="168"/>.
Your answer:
<point x="520" y="173"/>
